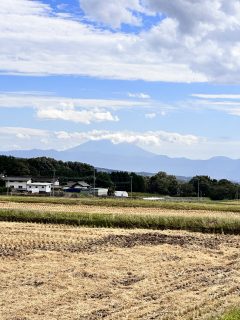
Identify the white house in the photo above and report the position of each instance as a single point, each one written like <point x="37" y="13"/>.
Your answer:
<point x="17" y="183"/>
<point x="121" y="194"/>
<point x="39" y="187"/>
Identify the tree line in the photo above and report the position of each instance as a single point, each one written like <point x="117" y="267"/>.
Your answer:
<point x="159" y="184"/>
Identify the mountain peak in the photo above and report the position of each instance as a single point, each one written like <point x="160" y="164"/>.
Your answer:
<point x="108" y="147"/>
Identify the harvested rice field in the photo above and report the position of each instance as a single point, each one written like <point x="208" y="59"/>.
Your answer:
<point x="65" y="272"/>
<point x="81" y="208"/>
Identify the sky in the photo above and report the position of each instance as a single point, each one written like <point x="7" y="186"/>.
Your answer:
<point x="163" y="75"/>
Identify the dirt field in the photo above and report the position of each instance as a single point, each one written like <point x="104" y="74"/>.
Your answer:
<point x="62" y="272"/>
<point x="46" y="207"/>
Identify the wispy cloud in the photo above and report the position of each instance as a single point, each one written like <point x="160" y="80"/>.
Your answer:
<point x="139" y="95"/>
<point x="216" y="96"/>
<point x="150" y="115"/>
<point x="49" y="106"/>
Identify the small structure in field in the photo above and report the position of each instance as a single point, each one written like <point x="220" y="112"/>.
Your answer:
<point x="154" y="198"/>
<point x="39" y="187"/>
<point x="99" y="192"/>
<point x="121" y="194"/>
<point x="17" y="183"/>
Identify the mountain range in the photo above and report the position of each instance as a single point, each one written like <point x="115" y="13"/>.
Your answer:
<point x="128" y="157"/>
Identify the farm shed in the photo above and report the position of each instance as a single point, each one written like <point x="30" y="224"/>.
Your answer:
<point x="99" y="192"/>
<point x="121" y="194"/>
<point x="39" y="187"/>
<point x="17" y="183"/>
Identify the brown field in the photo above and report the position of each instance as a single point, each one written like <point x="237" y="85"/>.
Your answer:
<point x="62" y="272"/>
<point x="48" y="207"/>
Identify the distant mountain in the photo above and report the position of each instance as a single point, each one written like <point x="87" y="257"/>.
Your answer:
<point x="124" y="156"/>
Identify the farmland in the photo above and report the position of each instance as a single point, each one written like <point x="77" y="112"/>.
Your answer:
<point x="56" y="270"/>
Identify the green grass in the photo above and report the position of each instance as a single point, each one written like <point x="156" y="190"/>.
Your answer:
<point x="227" y="206"/>
<point x="232" y="315"/>
<point x="190" y="223"/>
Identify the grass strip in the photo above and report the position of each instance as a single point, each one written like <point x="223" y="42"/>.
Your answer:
<point x="190" y="223"/>
<point x="232" y="315"/>
<point x="223" y="206"/>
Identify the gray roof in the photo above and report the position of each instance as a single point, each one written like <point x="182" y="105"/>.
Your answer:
<point x="16" y="178"/>
<point x="83" y="184"/>
<point x="80" y="183"/>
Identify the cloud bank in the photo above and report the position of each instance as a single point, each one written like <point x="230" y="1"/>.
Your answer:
<point x="189" y="42"/>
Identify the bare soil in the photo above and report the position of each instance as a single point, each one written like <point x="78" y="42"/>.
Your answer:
<point x="64" y="272"/>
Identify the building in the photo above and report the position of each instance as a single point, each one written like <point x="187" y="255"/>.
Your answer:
<point x="121" y="194"/>
<point x="39" y="187"/>
<point x="53" y="181"/>
<point x="17" y="183"/>
<point x="76" y="186"/>
<point x="99" y="192"/>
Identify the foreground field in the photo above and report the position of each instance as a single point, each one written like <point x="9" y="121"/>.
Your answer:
<point x="64" y="272"/>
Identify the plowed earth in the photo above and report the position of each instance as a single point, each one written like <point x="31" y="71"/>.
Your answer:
<point x="63" y="272"/>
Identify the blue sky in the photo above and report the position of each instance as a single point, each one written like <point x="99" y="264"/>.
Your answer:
<point x="161" y="75"/>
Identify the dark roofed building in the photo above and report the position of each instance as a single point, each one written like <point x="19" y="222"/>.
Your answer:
<point x="76" y="186"/>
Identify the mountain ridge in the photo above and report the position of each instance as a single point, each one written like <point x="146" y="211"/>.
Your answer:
<point x="127" y="157"/>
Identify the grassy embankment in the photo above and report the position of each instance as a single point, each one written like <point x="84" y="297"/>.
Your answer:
<point x="191" y="223"/>
<point x="232" y="315"/>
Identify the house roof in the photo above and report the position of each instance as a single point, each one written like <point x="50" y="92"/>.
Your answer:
<point x="39" y="184"/>
<point x="42" y="179"/>
<point x="16" y="179"/>
<point x="80" y="183"/>
<point x="83" y="184"/>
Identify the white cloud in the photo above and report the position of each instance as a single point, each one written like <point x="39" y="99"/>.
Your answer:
<point x="216" y="96"/>
<point x="84" y="116"/>
<point x="48" y="106"/>
<point x="218" y="102"/>
<point x="23" y="132"/>
<point x="195" y="41"/>
<point x="139" y="138"/>
<point x="114" y="13"/>
<point x="35" y="41"/>
<point x="161" y="142"/>
<point x="29" y="138"/>
<point x="139" y="95"/>
<point x="45" y="100"/>
<point x="150" y="115"/>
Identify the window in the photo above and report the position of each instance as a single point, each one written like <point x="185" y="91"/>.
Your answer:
<point x="42" y="187"/>
<point x="20" y="187"/>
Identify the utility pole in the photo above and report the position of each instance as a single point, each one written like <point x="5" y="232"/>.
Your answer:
<point x="94" y="183"/>
<point x="198" y="190"/>
<point x="131" y="185"/>
<point x="54" y="172"/>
